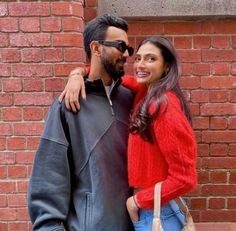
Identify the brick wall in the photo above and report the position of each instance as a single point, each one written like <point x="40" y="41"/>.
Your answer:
<point x="41" y="41"/>
<point x="39" y="44"/>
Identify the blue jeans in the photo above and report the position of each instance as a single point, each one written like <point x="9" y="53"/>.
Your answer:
<point x="172" y="219"/>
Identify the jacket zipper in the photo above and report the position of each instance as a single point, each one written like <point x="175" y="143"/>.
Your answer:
<point x="109" y="97"/>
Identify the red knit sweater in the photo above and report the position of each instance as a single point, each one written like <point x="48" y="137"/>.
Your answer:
<point x="172" y="157"/>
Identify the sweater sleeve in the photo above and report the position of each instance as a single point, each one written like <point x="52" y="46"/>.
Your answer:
<point x="176" y="141"/>
<point x="49" y="187"/>
<point x="131" y="83"/>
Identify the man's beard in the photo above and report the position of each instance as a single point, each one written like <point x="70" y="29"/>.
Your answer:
<point x="115" y="70"/>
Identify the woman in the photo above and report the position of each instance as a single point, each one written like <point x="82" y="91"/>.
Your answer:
<point x="161" y="147"/>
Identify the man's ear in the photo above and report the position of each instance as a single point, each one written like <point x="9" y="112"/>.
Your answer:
<point x="95" y="48"/>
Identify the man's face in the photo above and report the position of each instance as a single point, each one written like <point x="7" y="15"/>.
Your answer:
<point x="113" y="59"/>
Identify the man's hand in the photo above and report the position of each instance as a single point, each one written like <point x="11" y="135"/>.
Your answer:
<point x="132" y="209"/>
<point x="74" y="87"/>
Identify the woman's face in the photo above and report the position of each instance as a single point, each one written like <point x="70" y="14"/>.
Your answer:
<point x="149" y="64"/>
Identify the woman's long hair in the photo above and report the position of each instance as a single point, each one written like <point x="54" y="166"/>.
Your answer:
<point x="141" y="120"/>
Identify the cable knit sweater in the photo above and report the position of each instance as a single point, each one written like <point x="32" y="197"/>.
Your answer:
<point x="170" y="159"/>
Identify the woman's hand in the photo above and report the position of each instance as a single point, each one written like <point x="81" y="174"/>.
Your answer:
<point x="74" y="87"/>
<point x="132" y="208"/>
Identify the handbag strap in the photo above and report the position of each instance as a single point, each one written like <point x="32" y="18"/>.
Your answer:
<point x="157" y="200"/>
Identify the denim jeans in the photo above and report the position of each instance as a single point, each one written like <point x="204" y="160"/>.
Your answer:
<point x="172" y="219"/>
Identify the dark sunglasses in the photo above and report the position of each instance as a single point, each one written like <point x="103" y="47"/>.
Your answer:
<point x="120" y="45"/>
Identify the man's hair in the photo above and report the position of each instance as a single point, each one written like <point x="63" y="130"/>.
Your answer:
<point x="96" y="29"/>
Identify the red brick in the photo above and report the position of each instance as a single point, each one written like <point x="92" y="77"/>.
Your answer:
<point x="231" y="203"/>
<point x="218" y="216"/>
<point x="6" y="99"/>
<point x="77" y="9"/>
<point x="201" y="42"/>
<point x="232" y="123"/>
<point x="218" y="163"/>
<point x="29" y="24"/>
<point x="64" y="69"/>
<point x="3" y="11"/>
<point x="29" y="9"/>
<point x="16" y="200"/>
<point x="5" y="129"/>
<point x="198" y="203"/>
<point x="203" y="177"/>
<point x="73" y="24"/>
<point x="32" y="114"/>
<point x="2" y="176"/>
<point x="218" y="109"/>
<point x="194" y="109"/>
<point x="91" y="3"/>
<point x="187" y="69"/>
<point x="201" y="69"/>
<point x="32" y="143"/>
<point x="19" y="226"/>
<point x="66" y="8"/>
<point x="183" y="42"/>
<point x="218" y="96"/>
<point x="220" y="69"/>
<point x="207" y="27"/>
<point x="74" y="55"/>
<point x="3" y="203"/>
<point x="218" y="190"/>
<point x="16" y="172"/>
<point x="22" y="129"/>
<point x="54" y="84"/>
<point x="232" y="149"/>
<point x="22" y="214"/>
<point x="7" y="158"/>
<point x="8" y="24"/>
<point x="32" y="85"/>
<point x="50" y="24"/>
<point x="217" y="203"/>
<point x="91" y="12"/>
<point x="218" y="123"/>
<point x="7" y="187"/>
<point x="224" y="26"/>
<point x="137" y="28"/>
<point x="219" y="136"/>
<point x="190" y="82"/>
<point x="201" y="123"/>
<point x="33" y="99"/>
<point x="53" y="55"/>
<point x="180" y="28"/>
<point x="11" y="85"/>
<point x="7" y="214"/>
<point x="67" y="40"/>
<point x="10" y="55"/>
<point x="233" y="69"/>
<point x="2" y="143"/>
<point x="22" y="186"/>
<point x="11" y="114"/>
<point x="15" y="143"/>
<point x="232" y="177"/>
<point x="30" y="40"/>
<point x="4" y="41"/>
<point x="32" y="70"/>
<point x="218" y="177"/>
<point x="203" y="149"/>
<point x="220" y="42"/>
<point x="232" y="96"/>
<point x="200" y="96"/>
<point x="190" y="55"/>
<point x="218" y="55"/>
<point x="4" y="70"/>
<point x="217" y="82"/>
<point x="31" y="55"/>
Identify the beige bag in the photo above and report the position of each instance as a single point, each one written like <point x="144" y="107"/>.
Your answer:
<point x="156" y="225"/>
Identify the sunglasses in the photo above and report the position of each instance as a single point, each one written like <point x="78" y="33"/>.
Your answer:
<point x="118" y="44"/>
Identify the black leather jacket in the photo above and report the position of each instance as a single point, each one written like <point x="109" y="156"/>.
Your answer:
<point x="79" y="178"/>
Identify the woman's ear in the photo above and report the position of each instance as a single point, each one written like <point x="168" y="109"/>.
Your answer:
<point x="95" y="48"/>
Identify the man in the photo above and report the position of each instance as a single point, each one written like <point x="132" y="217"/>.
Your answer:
<point x="79" y="178"/>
